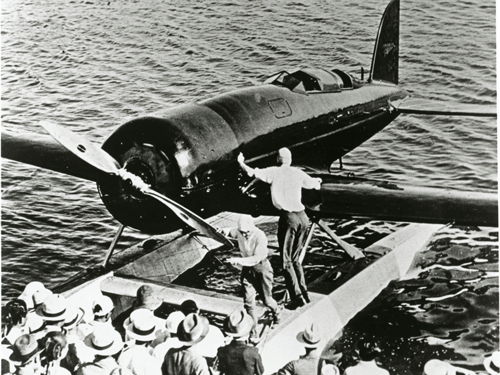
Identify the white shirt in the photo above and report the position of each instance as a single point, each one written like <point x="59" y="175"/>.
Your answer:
<point x="365" y="367"/>
<point x="286" y="186"/>
<point x="161" y="349"/>
<point x="139" y="360"/>
<point x="253" y="248"/>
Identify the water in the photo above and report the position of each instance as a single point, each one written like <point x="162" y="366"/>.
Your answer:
<point x="92" y="65"/>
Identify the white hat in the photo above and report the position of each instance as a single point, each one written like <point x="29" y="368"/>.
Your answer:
<point x="102" y="305"/>
<point x="310" y="337"/>
<point x="330" y="370"/>
<point x="53" y="308"/>
<point x="29" y="290"/>
<point x="73" y="318"/>
<point x="104" y="341"/>
<point x="492" y="363"/>
<point x="173" y="321"/>
<point x="438" y="367"/>
<point x="142" y="325"/>
<point x="40" y="295"/>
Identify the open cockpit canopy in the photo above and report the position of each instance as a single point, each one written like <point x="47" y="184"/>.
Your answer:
<point x="312" y="80"/>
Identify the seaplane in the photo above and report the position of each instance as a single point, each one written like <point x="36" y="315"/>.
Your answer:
<point x="177" y="169"/>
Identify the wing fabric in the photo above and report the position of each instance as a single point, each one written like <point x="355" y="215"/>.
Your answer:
<point x="435" y="107"/>
<point x="45" y="152"/>
<point x="376" y="200"/>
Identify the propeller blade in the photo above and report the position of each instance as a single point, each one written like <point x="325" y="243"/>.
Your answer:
<point x="189" y="217"/>
<point x="82" y="147"/>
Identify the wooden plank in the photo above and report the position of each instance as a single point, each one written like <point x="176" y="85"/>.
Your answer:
<point x="207" y="301"/>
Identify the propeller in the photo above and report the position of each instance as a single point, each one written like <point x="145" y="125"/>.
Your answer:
<point x="97" y="157"/>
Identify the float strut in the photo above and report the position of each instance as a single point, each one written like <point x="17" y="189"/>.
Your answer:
<point x="112" y="246"/>
<point x="351" y="250"/>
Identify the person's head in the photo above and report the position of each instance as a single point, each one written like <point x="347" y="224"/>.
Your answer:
<point x="56" y="346"/>
<point x="310" y="337"/>
<point x="18" y="311"/>
<point x="284" y="156"/>
<point x="102" y="308"/>
<point x="25" y="352"/>
<point x="104" y="341"/>
<point x="146" y="299"/>
<point x="189" y="307"/>
<point x="238" y="324"/>
<point x="492" y="363"/>
<point x="246" y="225"/>
<point x="173" y="321"/>
<point x="192" y="329"/>
<point x="368" y="349"/>
<point x="53" y="310"/>
<point x="141" y="326"/>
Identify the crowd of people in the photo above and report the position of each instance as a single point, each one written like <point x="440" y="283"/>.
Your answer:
<point x="43" y="333"/>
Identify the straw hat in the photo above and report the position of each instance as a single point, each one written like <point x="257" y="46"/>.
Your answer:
<point x="104" y="341"/>
<point x="492" y="364"/>
<point x="173" y="321"/>
<point x="146" y="299"/>
<point x="29" y="290"/>
<point x="53" y="308"/>
<point x="238" y="324"/>
<point x="192" y="329"/>
<point x="310" y="337"/>
<point x="73" y="318"/>
<point x="438" y="367"/>
<point x="25" y="348"/>
<point x="142" y="325"/>
<point x="103" y="305"/>
<point x="39" y="296"/>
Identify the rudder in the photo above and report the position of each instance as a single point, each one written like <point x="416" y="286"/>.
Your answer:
<point x="385" y="61"/>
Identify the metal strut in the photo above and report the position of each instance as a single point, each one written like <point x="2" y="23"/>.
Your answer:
<point x="112" y="246"/>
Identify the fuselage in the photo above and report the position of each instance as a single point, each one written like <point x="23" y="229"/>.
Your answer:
<point x="188" y="152"/>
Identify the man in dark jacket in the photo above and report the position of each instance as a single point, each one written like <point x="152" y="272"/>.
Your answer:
<point x="239" y="358"/>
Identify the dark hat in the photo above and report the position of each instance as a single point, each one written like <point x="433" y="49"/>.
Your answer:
<point x="238" y="324"/>
<point x="310" y="337"/>
<point x="192" y="329"/>
<point x="188" y="307"/>
<point x="25" y="348"/>
<point x="146" y="299"/>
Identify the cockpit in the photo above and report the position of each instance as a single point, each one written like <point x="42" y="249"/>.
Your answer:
<point x="312" y="80"/>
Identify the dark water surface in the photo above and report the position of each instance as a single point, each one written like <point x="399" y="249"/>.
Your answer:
<point x="92" y="65"/>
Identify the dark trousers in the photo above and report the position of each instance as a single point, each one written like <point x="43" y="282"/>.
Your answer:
<point x="292" y="232"/>
<point x="258" y="279"/>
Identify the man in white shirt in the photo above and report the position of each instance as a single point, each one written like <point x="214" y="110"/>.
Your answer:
<point x="286" y="193"/>
<point x="257" y="273"/>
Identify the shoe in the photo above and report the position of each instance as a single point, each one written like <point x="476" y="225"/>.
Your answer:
<point x="254" y="340"/>
<point x="306" y="298"/>
<point x="296" y="303"/>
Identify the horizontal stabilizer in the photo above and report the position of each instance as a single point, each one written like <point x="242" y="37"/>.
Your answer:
<point x="435" y="107"/>
<point x="381" y="200"/>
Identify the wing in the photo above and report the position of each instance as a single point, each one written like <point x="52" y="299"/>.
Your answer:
<point x="44" y="152"/>
<point x="435" y="107"/>
<point x="377" y="200"/>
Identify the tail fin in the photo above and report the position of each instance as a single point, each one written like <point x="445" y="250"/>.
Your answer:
<point x="385" y="61"/>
